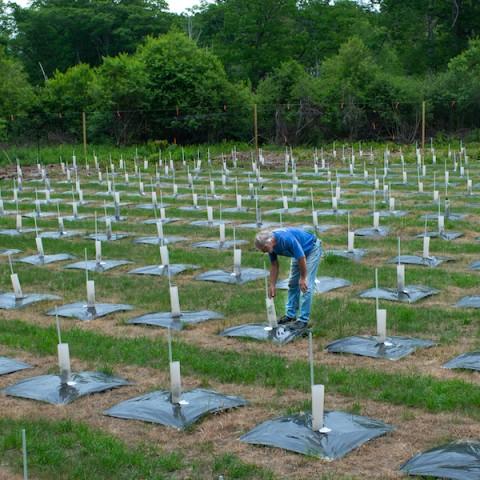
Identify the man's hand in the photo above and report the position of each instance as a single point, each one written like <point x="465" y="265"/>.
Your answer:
<point x="303" y="284"/>
<point x="271" y="291"/>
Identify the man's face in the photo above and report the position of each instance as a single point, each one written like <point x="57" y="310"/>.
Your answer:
<point x="268" y="247"/>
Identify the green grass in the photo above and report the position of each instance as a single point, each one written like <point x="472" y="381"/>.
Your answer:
<point x="74" y="451"/>
<point x="250" y="367"/>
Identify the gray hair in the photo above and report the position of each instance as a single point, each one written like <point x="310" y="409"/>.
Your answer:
<point x="262" y="238"/>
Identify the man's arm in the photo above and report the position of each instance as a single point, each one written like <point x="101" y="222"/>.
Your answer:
<point x="274" y="269"/>
<point x="302" y="266"/>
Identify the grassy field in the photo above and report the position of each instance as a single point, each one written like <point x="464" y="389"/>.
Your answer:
<point x="427" y="404"/>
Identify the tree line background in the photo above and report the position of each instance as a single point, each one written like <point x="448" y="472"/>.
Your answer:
<point x="315" y="69"/>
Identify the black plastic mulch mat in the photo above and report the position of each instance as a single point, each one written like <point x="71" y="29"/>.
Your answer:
<point x="13" y="232"/>
<point x="259" y="225"/>
<point x="450" y="217"/>
<point x="295" y="433"/>
<point x="156" y="407"/>
<point x="162" y="270"/>
<point x="9" y="365"/>
<point x="50" y="389"/>
<point x="318" y="228"/>
<point x="113" y="218"/>
<point x="217" y="245"/>
<point x="283" y="211"/>
<point x="206" y="223"/>
<point x="103" y="237"/>
<point x="469" y="302"/>
<point x="9" y="302"/>
<point x="393" y="348"/>
<point x="82" y="311"/>
<point x="162" y="220"/>
<point x="39" y="214"/>
<point x="467" y="361"/>
<point x="246" y="275"/>
<point x="151" y="206"/>
<point x="58" y="235"/>
<point x="46" y="259"/>
<point x="98" y="267"/>
<point x="423" y="261"/>
<point x="192" y="208"/>
<point x="326" y="213"/>
<point x="322" y="284"/>
<point x="160" y="241"/>
<point x="456" y="460"/>
<point x="392" y="213"/>
<point x="410" y="294"/>
<point x="442" y="235"/>
<point x="292" y="199"/>
<point x="73" y="218"/>
<point x="282" y="334"/>
<point x="9" y="251"/>
<point x="372" y="232"/>
<point x="167" y="320"/>
<point x="356" y="254"/>
<point x="235" y="210"/>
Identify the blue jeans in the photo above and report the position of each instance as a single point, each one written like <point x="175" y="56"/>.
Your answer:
<point x="295" y="297"/>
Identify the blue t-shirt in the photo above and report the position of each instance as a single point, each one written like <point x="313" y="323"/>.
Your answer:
<point x="292" y="242"/>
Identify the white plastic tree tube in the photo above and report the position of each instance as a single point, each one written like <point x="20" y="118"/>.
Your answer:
<point x="239" y="201"/>
<point x="174" y="301"/>
<point x="108" y="225"/>
<point x="19" y="222"/>
<point x="222" y="233"/>
<point x="154" y="198"/>
<point x="164" y="256"/>
<point x="237" y="261"/>
<point x="17" y="289"/>
<point x="98" y="251"/>
<point x="61" y="226"/>
<point x="64" y="362"/>
<point x="441" y="223"/>
<point x="426" y="246"/>
<point x="381" y="325"/>
<point x="376" y="219"/>
<point x="195" y="199"/>
<point x="117" y="198"/>
<point x="90" y="293"/>
<point x="294" y="190"/>
<point x="318" y="400"/>
<point x="160" y="230"/>
<point x="175" y="382"/>
<point x="285" y="202"/>
<point x="315" y="218"/>
<point x="334" y="203"/>
<point x="435" y="195"/>
<point x="338" y="192"/>
<point x="271" y="312"/>
<point x="404" y="176"/>
<point x="400" y="277"/>
<point x="420" y="187"/>
<point x="75" y="209"/>
<point x="391" y="203"/>
<point x="350" y="241"/>
<point x="210" y="214"/>
<point x="39" y="243"/>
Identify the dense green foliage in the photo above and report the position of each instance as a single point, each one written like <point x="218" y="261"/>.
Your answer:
<point x="317" y="69"/>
